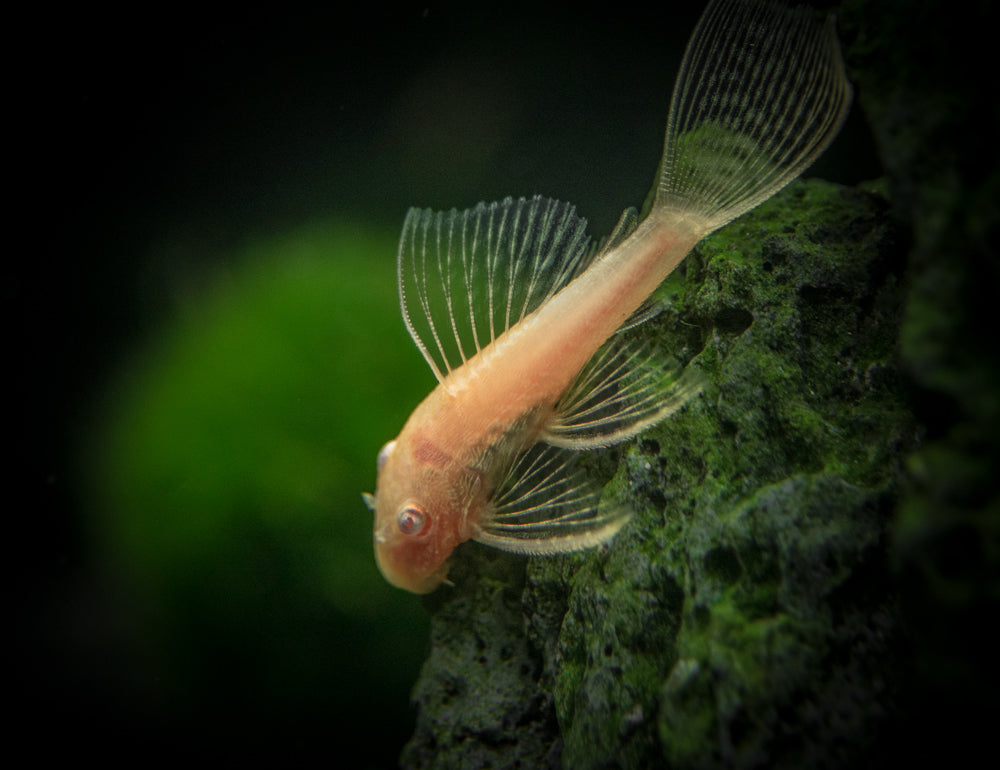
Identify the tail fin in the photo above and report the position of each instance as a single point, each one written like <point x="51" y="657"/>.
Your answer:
<point x="760" y="94"/>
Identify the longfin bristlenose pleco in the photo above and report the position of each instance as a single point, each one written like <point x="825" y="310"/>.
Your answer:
<point x="517" y="312"/>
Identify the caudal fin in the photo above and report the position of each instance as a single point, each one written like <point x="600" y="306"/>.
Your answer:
<point x="760" y="94"/>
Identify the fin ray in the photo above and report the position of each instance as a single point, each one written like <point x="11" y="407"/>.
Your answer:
<point x="546" y="505"/>
<point x="465" y="277"/>
<point x="760" y="94"/>
<point x="623" y="390"/>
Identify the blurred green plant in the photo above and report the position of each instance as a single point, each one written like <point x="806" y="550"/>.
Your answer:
<point x="227" y="472"/>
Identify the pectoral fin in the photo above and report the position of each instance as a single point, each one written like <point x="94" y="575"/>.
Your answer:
<point x="546" y="505"/>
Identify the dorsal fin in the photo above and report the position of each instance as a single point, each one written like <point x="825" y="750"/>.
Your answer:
<point x="465" y="277"/>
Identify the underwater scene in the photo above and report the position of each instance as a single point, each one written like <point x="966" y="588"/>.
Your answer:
<point x="327" y="462"/>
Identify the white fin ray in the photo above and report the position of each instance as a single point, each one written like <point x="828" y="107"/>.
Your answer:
<point x="647" y="310"/>
<point x="465" y="277"/>
<point x="627" y="222"/>
<point x="760" y="94"/>
<point x="624" y="389"/>
<point x="546" y="505"/>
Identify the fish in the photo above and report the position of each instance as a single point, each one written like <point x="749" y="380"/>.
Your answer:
<point x="521" y="315"/>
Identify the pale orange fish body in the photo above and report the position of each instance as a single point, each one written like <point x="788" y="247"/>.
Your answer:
<point x="517" y="315"/>
<point x="500" y="400"/>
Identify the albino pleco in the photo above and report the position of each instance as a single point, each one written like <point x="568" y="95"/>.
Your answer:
<point x="517" y="312"/>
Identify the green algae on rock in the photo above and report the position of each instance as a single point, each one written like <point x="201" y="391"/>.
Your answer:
<point x="745" y="616"/>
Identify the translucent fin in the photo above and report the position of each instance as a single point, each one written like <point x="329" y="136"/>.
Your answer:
<point x="545" y="505"/>
<point x="761" y="92"/>
<point x="465" y="277"/>
<point x="648" y="309"/>
<point x="627" y="222"/>
<point x="624" y="389"/>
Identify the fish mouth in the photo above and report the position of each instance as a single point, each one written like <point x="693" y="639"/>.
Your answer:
<point x="416" y="584"/>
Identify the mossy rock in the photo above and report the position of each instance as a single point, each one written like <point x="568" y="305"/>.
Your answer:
<point x="745" y="616"/>
<point x="817" y="542"/>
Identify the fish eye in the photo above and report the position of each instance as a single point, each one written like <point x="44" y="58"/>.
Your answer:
<point x="412" y="520"/>
<point x="383" y="454"/>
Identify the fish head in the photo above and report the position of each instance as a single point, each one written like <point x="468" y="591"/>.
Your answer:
<point x="415" y="528"/>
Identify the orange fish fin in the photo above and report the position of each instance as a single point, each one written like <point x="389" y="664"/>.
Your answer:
<point x="624" y="389"/>
<point x="465" y="277"/>
<point x="546" y="505"/>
